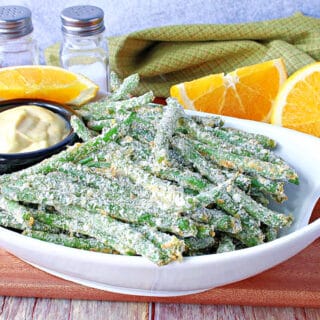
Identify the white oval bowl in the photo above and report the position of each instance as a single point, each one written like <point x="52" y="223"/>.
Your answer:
<point x="138" y="276"/>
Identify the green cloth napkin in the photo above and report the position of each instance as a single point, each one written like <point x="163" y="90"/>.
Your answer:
<point x="168" y="55"/>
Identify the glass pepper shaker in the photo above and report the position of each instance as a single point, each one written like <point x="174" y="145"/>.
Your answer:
<point x="17" y="45"/>
<point x="84" y="49"/>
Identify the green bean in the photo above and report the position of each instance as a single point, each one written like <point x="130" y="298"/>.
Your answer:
<point x="207" y="137"/>
<point x="270" y="232"/>
<point x="208" y="121"/>
<point x="247" y="164"/>
<point x="196" y="244"/>
<point x="218" y="218"/>
<point x="240" y="137"/>
<point x="122" y="237"/>
<point x="225" y="244"/>
<point x="115" y="81"/>
<point x="258" y="211"/>
<point x="80" y="128"/>
<point x="90" y="244"/>
<point x="7" y="220"/>
<point x="101" y="110"/>
<point x="13" y="212"/>
<point x="123" y="90"/>
<point x="164" y="131"/>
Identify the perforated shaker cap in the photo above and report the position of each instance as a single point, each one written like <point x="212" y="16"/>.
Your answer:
<point x="15" y="22"/>
<point x="82" y="20"/>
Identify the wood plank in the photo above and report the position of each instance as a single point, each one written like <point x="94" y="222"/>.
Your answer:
<point x="53" y="309"/>
<point x="295" y="282"/>
<point x="205" y="312"/>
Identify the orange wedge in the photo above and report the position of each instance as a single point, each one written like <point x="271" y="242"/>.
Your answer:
<point x="46" y="82"/>
<point x="246" y="93"/>
<point x="297" y="105"/>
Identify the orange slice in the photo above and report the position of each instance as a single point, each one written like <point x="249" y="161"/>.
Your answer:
<point x="46" y="82"/>
<point x="247" y="92"/>
<point x="297" y="105"/>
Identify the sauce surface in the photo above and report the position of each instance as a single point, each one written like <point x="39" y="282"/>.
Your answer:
<point x="29" y="128"/>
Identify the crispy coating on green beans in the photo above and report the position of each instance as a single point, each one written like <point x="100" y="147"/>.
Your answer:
<point x="152" y="181"/>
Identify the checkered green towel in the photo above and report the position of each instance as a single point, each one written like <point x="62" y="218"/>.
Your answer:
<point x="168" y="55"/>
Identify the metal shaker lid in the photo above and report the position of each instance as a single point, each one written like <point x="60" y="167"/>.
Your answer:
<point x="15" y="22"/>
<point x="82" y="20"/>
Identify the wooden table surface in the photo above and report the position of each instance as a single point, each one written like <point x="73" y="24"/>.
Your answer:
<point x="13" y="308"/>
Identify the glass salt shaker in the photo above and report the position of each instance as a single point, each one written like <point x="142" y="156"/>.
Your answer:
<point x="84" y="49"/>
<point x="17" y="45"/>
